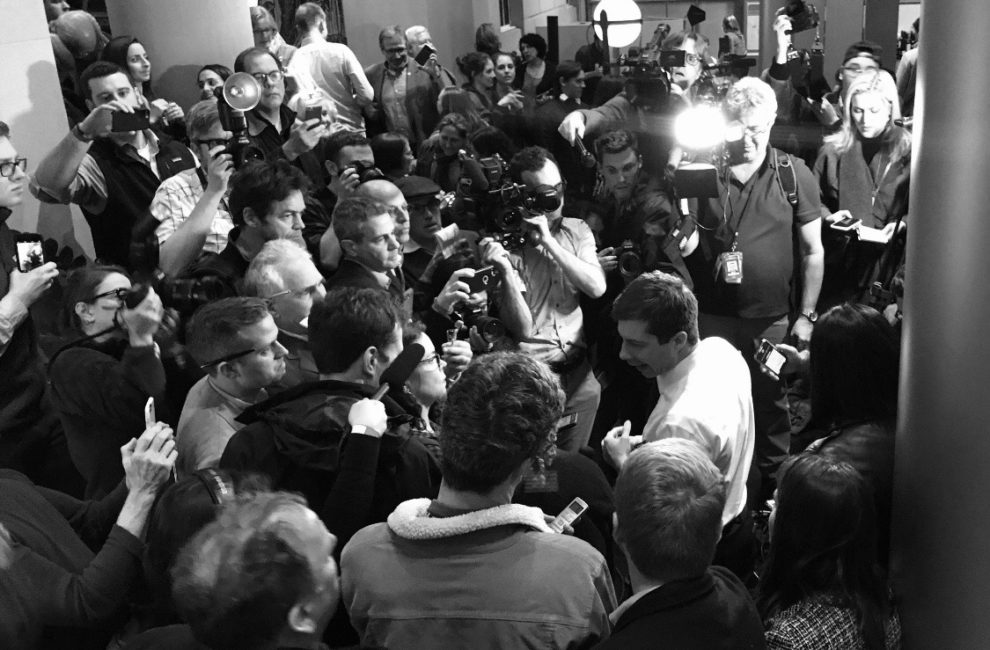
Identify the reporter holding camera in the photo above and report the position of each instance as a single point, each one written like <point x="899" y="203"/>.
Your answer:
<point x="191" y="207"/>
<point x="112" y="174"/>
<point x="102" y="379"/>
<point x="55" y="591"/>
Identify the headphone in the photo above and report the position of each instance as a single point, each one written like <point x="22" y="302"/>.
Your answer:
<point x="218" y="487"/>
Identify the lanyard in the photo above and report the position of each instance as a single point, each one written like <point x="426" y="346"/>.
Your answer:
<point x="878" y="178"/>
<point x="727" y="215"/>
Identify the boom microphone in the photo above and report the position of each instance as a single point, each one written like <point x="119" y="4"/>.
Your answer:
<point x="400" y="369"/>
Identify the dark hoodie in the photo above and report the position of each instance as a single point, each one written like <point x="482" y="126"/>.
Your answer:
<point x="299" y="439"/>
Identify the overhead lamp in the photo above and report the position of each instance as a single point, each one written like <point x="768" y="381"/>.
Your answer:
<point x="621" y="23"/>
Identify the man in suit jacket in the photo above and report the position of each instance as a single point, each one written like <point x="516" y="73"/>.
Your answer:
<point x="668" y="517"/>
<point x="372" y="252"/>
<point x="405" y="92"/>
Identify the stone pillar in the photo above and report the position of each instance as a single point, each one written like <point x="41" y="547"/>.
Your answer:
<point x="941" y="504"/>
<point x="181" y="36"/>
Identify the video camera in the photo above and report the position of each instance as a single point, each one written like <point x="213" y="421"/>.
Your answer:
<point x="185" y="294"/>
<point x="486" y="200"/>
<point x="648" y="79"/>
<point x="238" y="95"/>
<point x="803" y="16"/>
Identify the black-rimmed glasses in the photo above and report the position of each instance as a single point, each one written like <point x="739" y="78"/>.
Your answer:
<point x="119" y="294"/>
<point x="272" y="77"/>
<point x="7" y="168"/>
<point x="433" y="358"/>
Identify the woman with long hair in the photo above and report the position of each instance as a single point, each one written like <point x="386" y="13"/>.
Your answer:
<point x="821" y="586"/>
<point x="129" y="54"/>
<point x="210" y="77"/>
<point x="863" y="171"/>
<point x="102" y="378"/>
<point x="482" y="84"/>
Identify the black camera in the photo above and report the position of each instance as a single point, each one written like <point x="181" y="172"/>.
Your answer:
<point x="366" y="172"/>
<point x="239" y="148"/>
<point x="649" y="81"/>
<point x="803" y="16"/>
<point x="630" y="262"/>
<point x="184" y="295"/>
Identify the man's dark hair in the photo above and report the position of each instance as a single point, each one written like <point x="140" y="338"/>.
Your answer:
<point x="535" y="41"/>
<point x="502" y="411"/>
<point x="307" y="15"/>
<point x="97" y="70"/>
<point x="664" y="302"/>
<point x="241" y="61"/>
<point x="348" y="322"/>
<point x="389" y="149"/>
<point x="259" y="184"/>
<point x="391" y="30"/>
<point x="214" y="331"/>
<point x="616" y="142"/>
<point x="530" y="159"/>
<point x="567" y="70"/>
<point x="4" y="130"/>
<point x="351" y="213"/>
<point x="340" y="141"/>
<point x="238" y="578"/>
<point x="669" y="499"/>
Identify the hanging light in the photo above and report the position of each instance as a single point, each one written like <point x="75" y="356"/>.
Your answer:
<point x="624" y="21"/>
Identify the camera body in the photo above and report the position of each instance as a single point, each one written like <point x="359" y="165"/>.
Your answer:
<point x="185" y="295"/>
<point x="366" y="172"/>
<point x="803" y="16"/>
<point x="240" y="148"/>
<point x="648" y="80"/>
<point x="630" y="260"/>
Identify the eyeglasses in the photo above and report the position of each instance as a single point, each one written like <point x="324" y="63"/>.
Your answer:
<point x="310" y="290"/>
<point x="7" y="168"/>
<point x="691" y="59"/>
<point x="237" y="355"/>
<point x="750" y="131"/>
<point x="216" y="142"/>
<point x="855" y="70"/>
<point x="272" y="77"/>
<point x="433" y="358"/>
<point x="119" y="294"/>
<point x="264" y="31"/>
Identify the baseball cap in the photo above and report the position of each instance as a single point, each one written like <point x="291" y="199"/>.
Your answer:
<point x="417" y="188"/>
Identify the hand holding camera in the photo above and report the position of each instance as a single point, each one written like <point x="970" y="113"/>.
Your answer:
<point x="493" y="252"/>
<point x="28" y="286"/>
<point x="219" y="170"/>
<point x="608" y="259"/>
<point x="303" y="136"/>
<point x="455" y="291"/>
<point x="100" y="121"/>
<point x="572" y="127"/>
<point x="142" y="315"/>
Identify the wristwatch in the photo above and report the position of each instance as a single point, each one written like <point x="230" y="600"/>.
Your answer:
<point x="812" y="316"/>
<point x="359" y="428"/>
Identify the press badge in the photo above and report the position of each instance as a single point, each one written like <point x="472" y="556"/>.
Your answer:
<point x="730" y="267"/>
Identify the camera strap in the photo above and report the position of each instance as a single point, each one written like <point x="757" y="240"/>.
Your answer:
<point x="786" y="176"/>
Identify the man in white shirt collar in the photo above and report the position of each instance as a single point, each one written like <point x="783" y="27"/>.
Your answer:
<point x="705" y="395"/>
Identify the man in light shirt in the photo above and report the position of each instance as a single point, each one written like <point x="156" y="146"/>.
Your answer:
<point x="705" y="396"/>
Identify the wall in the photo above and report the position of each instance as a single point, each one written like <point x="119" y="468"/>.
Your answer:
<point x="211" y="32"/>
<point x="31" y="104"/>
<point x="452" y="25"/>
<point x="535" y="14"/>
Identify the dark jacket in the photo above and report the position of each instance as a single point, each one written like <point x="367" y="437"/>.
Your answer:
<point x="422" y="91"/>
<point x="100" y="391"/>
<point x="710" y="612"/>
<point x="57" y="582"/>
<point x="299" y="439"/>
<point x="352" y="274"/>
<point x="547" y="83"/>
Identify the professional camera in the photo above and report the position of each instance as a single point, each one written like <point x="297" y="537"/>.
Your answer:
<point x="629" y="259"/>
<point x="489" y="327"/>
<point x="366" y="172"/>
<point x="184" y="294"/>
<point x="803" y="16"/>
<point x="239" y="94"/>
<point x="648" y="80"/>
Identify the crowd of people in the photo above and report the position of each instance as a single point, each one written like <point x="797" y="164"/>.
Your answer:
<point x="343" y="357"/>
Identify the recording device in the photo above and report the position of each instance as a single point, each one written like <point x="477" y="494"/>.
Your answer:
<point x="587" y="158"/>
<point x="424" y="54"/>
<point x="629" y="260"/>
<point x="803" y="16"/>
<point x="647" y="81"/>
<point x="313" y="113"/>
<point x="123" y="122"/>
<point x="366" y="172"/>
<point x="568" y="515"/>
<point x="845" y="224"/>
<point x="400" y="369"/>
<point x="184" y="295"/>
<point x="770" y="358"/>
<point x="482" y="280"/>
<point x="30" y="253"/>
<point x="239" y="94"/>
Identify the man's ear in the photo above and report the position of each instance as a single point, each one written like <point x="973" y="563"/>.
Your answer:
<point x="228" y="370"/>
<point x="251" y="218"/>
<point x="369" y="361"/>
<point x="301" y="620"/>
<point x="680" y="339"/>
<point x="331" y="168"/>
<point x="349" y="247"/>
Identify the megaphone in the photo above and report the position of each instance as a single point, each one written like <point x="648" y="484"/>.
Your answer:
<point x="241" y="91"/>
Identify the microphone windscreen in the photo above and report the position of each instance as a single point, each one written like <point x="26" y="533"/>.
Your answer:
<point x="403" y="366"/>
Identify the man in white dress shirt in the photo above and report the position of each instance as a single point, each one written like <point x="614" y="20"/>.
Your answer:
<point x="705" y="396"/>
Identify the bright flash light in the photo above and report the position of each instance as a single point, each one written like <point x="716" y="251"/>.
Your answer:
<point x="699" y="128"/>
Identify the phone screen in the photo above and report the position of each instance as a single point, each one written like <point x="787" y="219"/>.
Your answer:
<point x="770" y="358"/>
<point x="30" y="255"/>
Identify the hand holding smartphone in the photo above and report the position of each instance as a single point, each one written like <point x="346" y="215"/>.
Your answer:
<point x="30" y="253"/>
<point x="846" y="224"/>
<point x="123" y="122"/>
<point x="424" y="54"/>
<point x="770" y="358"/>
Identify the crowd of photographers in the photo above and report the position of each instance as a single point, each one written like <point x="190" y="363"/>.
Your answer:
<point x="354" y="337"/>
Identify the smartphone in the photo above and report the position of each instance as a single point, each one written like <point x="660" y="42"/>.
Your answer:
<point x="568" y="515"/>
<point x="770" y="358"/>
<point x="121" y="121"/>
<point x="425" y="54"/>
<point x="482" y="280"/>
<point x="30" y="253"/>
<point x="567" y="421"/>
<point x="313" y="113"/>
<point x="149" y="413"/>
<point x="846" y="224"/>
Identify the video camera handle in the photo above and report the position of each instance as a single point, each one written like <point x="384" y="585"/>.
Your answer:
<point x="587" y="158"/>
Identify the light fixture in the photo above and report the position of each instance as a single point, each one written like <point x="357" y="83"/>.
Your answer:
<point x="623" y="20"/>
